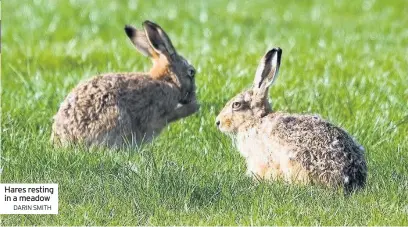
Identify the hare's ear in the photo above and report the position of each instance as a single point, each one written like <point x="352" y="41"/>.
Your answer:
<point x="158" y="39"/>
<point x="267" y="71"/>
<point x="140" y="41"/>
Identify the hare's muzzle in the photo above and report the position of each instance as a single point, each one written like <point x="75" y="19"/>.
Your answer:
<point x="217" y="123"/>
<point x="186" y="99"/>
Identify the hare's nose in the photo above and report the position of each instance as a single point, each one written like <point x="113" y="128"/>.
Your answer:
<point x="218" y="123"/>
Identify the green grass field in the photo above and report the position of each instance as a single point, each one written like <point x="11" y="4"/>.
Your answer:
<point x="345" y="60"/>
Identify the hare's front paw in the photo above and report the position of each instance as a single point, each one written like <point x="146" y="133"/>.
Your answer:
<point x="193" y="106"/>
<point x="182" y="111"/>
<point x="189" y="108"/>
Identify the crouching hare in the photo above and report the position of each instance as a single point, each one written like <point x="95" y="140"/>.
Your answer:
<point x="292" y="147"/>
<point x="118" y="109"/>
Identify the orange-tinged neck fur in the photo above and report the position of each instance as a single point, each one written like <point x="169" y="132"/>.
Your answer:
<point x="160" y="69"/>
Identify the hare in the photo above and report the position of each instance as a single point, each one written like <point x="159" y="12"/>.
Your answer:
<point x="121" y="109"/>
<point x="292" y="147"/>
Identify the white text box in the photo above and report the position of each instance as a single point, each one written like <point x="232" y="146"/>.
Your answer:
<point x="29" y="198"/>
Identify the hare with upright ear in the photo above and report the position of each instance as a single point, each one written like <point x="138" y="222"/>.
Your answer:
<point x="118" y="109"/>
<point x="292" y="147"/>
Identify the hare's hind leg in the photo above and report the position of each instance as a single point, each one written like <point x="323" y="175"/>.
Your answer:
<point x="260" y="169"/>
<point x="288" y="170"/>
<point x="273" y="172"/>
<point x="296" y="173"/>
<point x="111" y="139"/>
<point x="291" y="172"/>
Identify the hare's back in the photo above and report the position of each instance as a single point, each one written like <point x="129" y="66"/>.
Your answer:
<point x="315" y="138"/>
<point x="92" y="107"/>
<point x="324" y="149"/>
<point x="307" y="130"/>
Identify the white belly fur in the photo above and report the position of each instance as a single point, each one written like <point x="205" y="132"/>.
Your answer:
<point x="266" y="158"/>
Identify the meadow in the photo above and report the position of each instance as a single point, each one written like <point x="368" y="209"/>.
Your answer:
<point x="344" y="60"/>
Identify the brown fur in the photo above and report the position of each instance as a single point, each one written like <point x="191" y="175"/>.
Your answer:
<point x="118" y="109"/>
<point x="293" y="147"/>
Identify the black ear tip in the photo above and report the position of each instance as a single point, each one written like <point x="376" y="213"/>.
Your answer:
<point x="147" y="22"/>
<point x="277" y="50"/>
<point x="130" y="30"/>
<point x="150" y="24"/>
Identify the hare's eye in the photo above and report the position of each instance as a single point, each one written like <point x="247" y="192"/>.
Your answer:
<point x="236" y="105"/>
<point x="191" y="73"/>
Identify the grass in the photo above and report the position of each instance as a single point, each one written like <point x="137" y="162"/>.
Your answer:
<point x="345" y="60"/>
